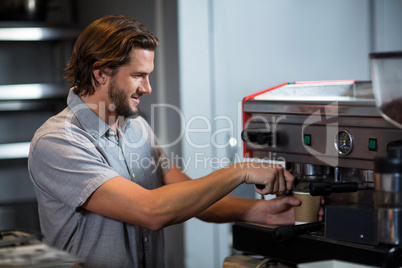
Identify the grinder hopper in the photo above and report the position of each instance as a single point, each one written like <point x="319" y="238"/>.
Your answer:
<point x="386" y="74"/>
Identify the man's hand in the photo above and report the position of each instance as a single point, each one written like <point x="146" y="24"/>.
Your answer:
<point x="277" y="211"/>
<point x="275" y="178"/>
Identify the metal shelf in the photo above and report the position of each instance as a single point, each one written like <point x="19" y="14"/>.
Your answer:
<point x="38" y="34"/>
<point x="33" y="91"/>
<point x="14" y="150"/>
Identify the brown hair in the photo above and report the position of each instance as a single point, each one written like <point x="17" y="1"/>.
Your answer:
<point x="107" y="42"/>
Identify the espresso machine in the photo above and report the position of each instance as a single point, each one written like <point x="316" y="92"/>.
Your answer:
<point x="338" y="143"/>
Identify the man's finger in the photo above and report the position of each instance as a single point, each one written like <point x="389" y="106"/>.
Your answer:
<point x="289" y="178"/>
<point x="282" y="179"/>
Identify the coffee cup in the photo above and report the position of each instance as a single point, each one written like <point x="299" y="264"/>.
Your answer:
<point x="308" y="209"/>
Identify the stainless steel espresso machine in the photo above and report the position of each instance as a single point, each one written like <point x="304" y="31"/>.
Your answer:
<point x="338" y="145"/>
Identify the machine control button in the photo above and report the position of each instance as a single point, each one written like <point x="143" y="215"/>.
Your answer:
<point x="372" y="144"/>
<point x="261" y="137"/>
<point x="343" y="142"/>
<point x="307" y="139"/>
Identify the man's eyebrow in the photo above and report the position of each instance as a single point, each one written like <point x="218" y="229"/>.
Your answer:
<point x="140" y="73"/>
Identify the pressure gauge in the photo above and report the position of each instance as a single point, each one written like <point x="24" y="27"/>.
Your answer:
<point x="343" y="142"/>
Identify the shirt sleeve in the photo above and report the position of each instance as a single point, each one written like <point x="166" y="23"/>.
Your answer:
<point x="68" y="171"/>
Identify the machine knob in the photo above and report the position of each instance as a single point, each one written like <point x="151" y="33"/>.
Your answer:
<point x="262" y="137"/>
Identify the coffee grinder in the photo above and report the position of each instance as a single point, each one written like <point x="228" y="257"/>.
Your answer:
<point x="386" y="71"/>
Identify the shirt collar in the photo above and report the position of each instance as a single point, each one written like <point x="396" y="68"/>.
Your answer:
<point x="89" y="121"/>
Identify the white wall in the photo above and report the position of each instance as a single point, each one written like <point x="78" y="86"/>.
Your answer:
<point x="232" y="48"/>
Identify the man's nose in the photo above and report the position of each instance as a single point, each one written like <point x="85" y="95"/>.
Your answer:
<point x="145" y="87"/>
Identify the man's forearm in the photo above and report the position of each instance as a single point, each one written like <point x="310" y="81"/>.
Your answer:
<point x="231" y="208"/>
<point x="124" y="200"/>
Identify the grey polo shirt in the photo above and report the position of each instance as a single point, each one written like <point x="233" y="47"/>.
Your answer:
<point x="74" y="153"/>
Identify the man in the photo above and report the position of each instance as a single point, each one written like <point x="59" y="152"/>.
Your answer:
<point x="95" y="198"/>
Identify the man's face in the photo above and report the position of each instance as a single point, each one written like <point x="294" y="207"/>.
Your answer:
<point x="130" y="82"/>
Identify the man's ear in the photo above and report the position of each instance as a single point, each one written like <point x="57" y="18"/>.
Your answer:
<point x="100" y="76"/>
